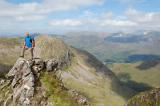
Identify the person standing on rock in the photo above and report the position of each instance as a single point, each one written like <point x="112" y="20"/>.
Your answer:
<point x="29" y="44"/>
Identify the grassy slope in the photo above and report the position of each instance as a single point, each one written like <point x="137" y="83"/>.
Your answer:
<point x="48" y="47"/>
<point x="132" y="72"/>
<point x="83" y="76"/>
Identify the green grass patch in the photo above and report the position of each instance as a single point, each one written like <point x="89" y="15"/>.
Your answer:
<point x="55" y="92"/>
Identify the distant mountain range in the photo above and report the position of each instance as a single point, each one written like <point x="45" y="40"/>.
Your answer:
<point x="119" y="38"/>
<point x="116" y="47"/>
<point x="132" y="37"/>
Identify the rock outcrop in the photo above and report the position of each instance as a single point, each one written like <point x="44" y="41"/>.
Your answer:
<point x="24" y="76"/>
<point x="23" y="82"/>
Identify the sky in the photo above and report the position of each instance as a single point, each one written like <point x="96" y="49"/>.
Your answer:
<point x="61" y="16"/>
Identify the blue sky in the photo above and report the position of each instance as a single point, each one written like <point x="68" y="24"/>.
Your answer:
<point x="52" y="16"/>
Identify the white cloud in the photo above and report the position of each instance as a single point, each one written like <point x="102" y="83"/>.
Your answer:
<point x="13" y="14"/>
<point x="45" y="7"/>
<point x="145" y="20"/>
<point x="66" y="22"/>
<point x="34" y="14"/>
<point x="130" y="20"/>
<point x="30" y="18"/>
<point x="142" y="17"/>
<point x="118" y="23"/>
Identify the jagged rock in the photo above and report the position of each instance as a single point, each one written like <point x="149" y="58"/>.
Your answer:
<point x="23" y="82"/>
<point x="38" y="65"/>
<point x="52" y="65"/>
<point x="23" y="76"/>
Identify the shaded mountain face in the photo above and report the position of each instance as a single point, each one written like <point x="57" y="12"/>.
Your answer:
<point x="61" y="75"/>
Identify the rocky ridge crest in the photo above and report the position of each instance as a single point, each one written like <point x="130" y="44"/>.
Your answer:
<point x="23" y="79"/>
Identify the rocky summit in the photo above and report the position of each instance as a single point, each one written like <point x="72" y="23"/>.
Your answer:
<point x="23" y="78"/>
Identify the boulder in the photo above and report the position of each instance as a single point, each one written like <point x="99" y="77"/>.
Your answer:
<point x="38" y="65"/>
<point x="52" y="65"/>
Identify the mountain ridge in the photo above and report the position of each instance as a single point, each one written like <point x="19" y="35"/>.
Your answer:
<point x="82" y="72"/>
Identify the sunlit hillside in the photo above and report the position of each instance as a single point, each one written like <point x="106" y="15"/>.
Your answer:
<point x="140" y="76"/>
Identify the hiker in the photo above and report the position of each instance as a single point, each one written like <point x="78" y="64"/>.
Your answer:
<point x="29" y="44"/>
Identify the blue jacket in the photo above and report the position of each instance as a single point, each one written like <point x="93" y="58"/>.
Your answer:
<point x="28" y="41"/>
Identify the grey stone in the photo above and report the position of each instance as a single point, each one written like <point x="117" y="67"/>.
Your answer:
<point x="51" y="65"/>
<point x="2" y="81"/>
<point x="38" y="65"/>
<point x="23" y="82"/>
<point x="16" y="67"/>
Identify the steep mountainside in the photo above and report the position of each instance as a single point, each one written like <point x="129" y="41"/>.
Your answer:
<point x="60" y="76"/>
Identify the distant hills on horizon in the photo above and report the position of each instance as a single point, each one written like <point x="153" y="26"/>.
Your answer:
<point x="118" y="47"/>
<point x="114" y="47"/>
